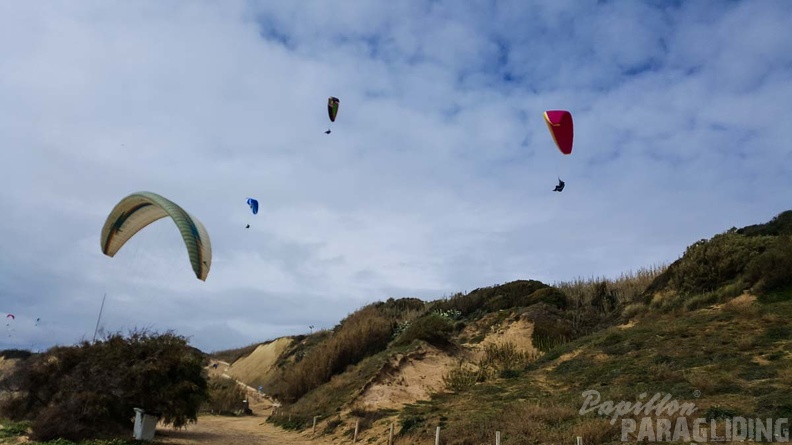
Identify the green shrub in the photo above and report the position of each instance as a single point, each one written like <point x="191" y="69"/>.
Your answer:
<point x="14" y="429"/>
<point x="410" y="423"/>
<point x="225" y="397"/>
<point x="89" y="390"/>
<point x="548" y="295"/>
<point x="431" y="328"/>
<point x="500" y="358"/>
<point x="491" y="299"/>
<point x="772" y="270"/>
<point x="709" y="264"/>
<point x="634" y="310"/>
<point x="460" y="378"/>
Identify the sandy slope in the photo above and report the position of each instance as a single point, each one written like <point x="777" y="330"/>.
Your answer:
<point x="260" y="364"/>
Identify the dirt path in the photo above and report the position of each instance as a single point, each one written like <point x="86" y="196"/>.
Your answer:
<point x="221" y="430"/>
<point x="244" y="430"/>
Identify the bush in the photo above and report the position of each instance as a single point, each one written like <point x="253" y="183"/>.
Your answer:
<point x="709" y="264"/>
<point x="548" y="295"/>
<point x="225" y="397"/>
<point x="634" y="310"/>
<point x="460" y="378"/>
<point x="14" y="429"/>
<point x="90" y="390"/>
<point x="494" y="298"/>
<point x="772" y="270"/>
<point x="15" y="354"/>
<point x="551" y="329"/>
<point x="432" y="328"/>
<point x="504" y="359"/>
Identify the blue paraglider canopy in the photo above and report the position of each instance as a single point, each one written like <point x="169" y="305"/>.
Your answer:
<point x="253" y="205"/>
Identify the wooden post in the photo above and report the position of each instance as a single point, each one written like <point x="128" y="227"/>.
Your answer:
<point x="437" y="436"/>
<point x="390" y="435"/>
<point x="357" y="424"/>
<point x="497" y="437"/>
<point x="579" y="440"/>
<point x="314" y="425"/>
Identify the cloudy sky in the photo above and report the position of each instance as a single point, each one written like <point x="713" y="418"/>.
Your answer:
<point x="437" y="176"/>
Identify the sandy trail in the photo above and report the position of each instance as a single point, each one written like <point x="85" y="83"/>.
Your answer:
<point x="223" y="430"/>
<point x="227" y="430"/>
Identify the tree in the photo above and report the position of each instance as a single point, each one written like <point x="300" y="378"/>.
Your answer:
<point x="89" y="390"/>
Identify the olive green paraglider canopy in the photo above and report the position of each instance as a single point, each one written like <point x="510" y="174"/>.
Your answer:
<point x="140" y="209"/>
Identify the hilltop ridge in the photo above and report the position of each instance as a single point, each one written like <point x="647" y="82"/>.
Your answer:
<point x="516" y="357"/>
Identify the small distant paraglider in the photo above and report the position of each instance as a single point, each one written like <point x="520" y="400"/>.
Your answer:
<point x="332" y="109"/>
<point x="9" y="319"/>
<point x="559" y="122"/>
<point x="254" y="206"/>
<point x="560" y="186"/>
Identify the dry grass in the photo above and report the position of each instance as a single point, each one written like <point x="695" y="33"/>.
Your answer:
<point x="626" y="289"/>
<point x="361" y="334"/>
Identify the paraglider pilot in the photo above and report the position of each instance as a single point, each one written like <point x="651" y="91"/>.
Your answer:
<point x="560" y="186"/>
<point x="327" y="132"/>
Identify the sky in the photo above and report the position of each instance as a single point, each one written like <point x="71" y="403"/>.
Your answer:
<point x="437" y="177"/>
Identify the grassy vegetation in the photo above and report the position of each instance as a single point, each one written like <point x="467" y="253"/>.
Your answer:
<point x="691" y="336"/>
<point x="362" y="334"/>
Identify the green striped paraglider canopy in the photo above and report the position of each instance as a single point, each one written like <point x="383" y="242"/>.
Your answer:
<point x="140" y="209"/>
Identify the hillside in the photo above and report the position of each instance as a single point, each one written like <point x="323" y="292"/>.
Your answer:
<point x="711" y="329"/>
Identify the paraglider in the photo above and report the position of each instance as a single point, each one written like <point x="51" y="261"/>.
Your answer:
<point x="560" y="186"/>
<point x="8" y="323"/>
<point x="254" y="206"/>
<point x="559" y="122"/>
<point x="332" y="109"/>
<point x="140" y="209"/>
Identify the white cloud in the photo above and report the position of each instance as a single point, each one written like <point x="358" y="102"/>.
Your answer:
<point x="437" y="176"/>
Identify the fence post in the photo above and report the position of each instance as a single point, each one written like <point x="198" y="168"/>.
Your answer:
<point x="314" y="425"/>
<point x="497" y="437"/>
<point x="437" y="436"/>
<point x="390" y="435"/>
<point x="357" y="424"/>
<point x="579" y="440"/>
